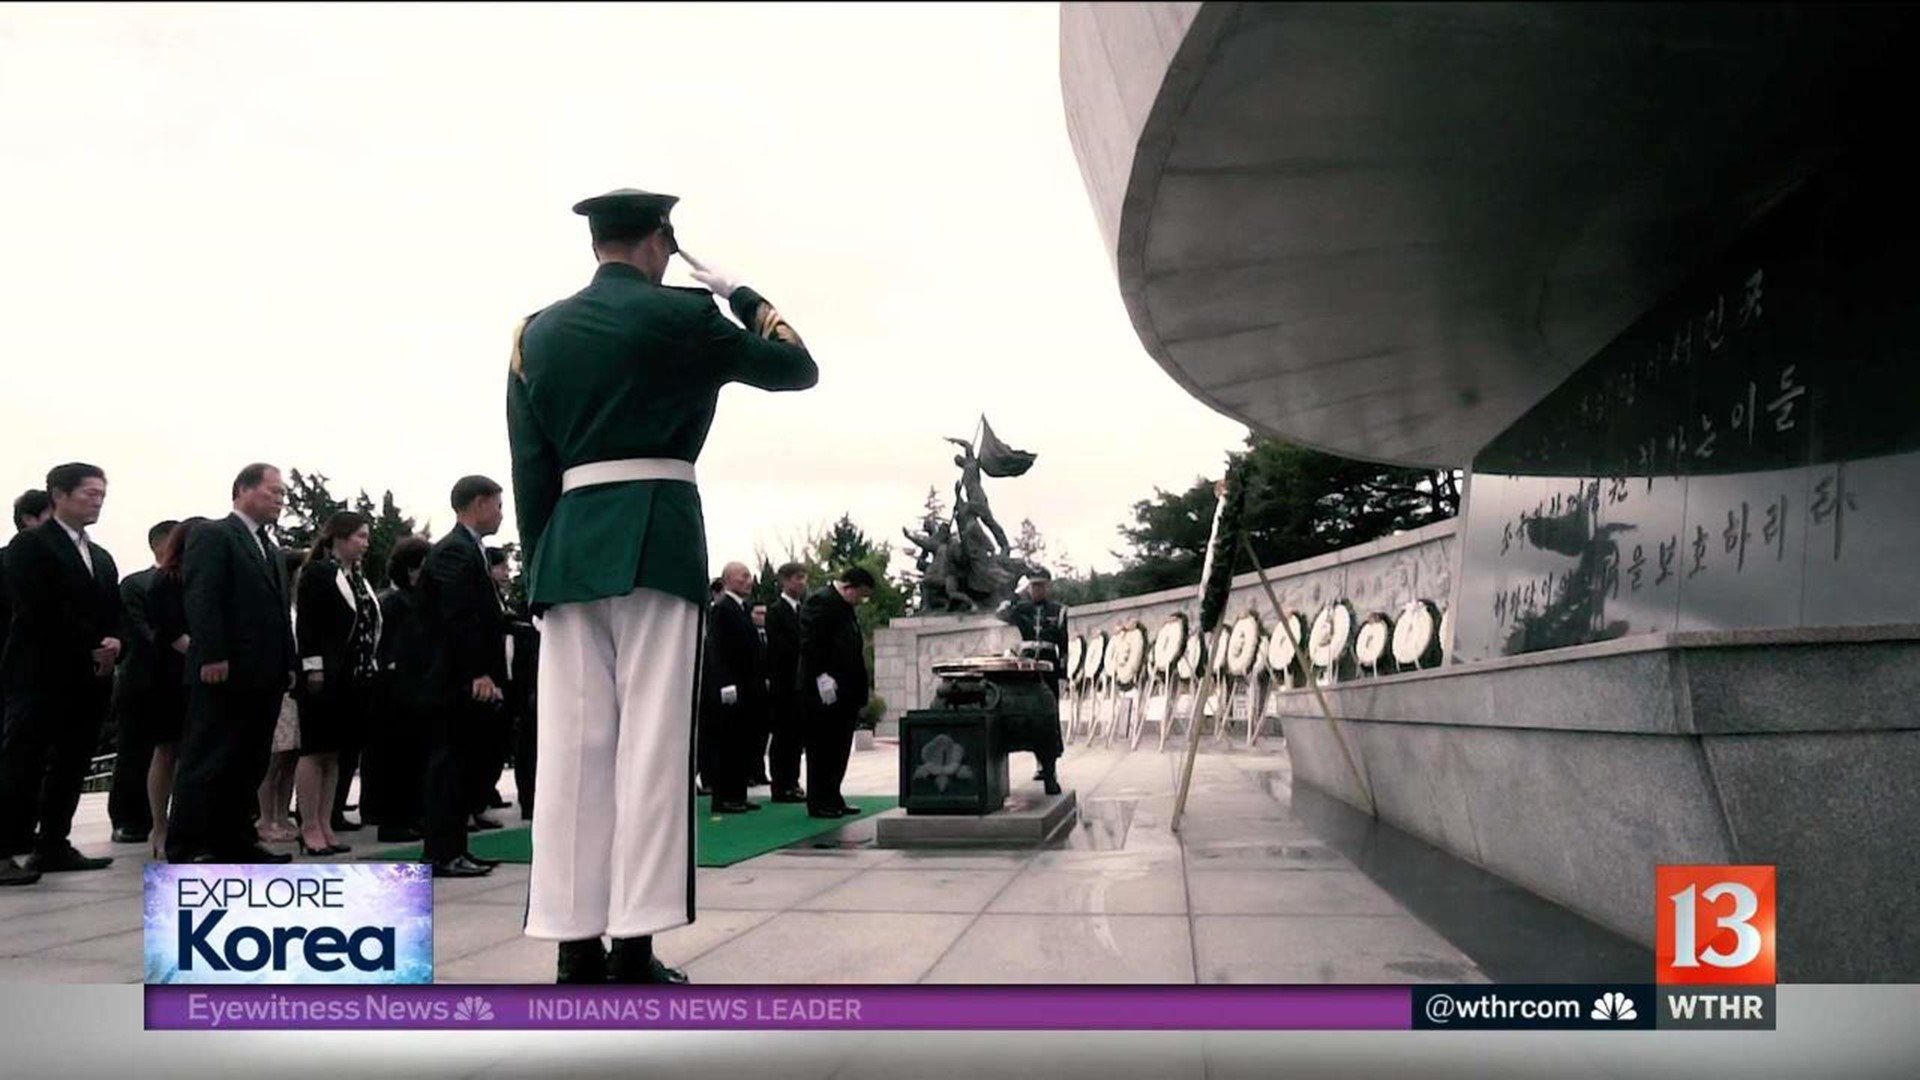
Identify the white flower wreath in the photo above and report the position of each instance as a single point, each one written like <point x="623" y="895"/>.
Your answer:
<point x="1192" y="658"/>
<point x="1076" y="652"/>
<point x="1280" y="648"/>
<point x="1370" y="645"/>
<point x="1170" y="642"/>
<point x="1332" y="634"/>
<point x="1217" y="654"/>
<point x="1243" y="646"/>
<point x="1128" y="653"/>
<point x="1096" y="655"/>
<point x="1414" y="633"/>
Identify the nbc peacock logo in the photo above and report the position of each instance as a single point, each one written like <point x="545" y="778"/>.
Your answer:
<point x="473" y="1009"/>
<point x="1614" y="1006"/>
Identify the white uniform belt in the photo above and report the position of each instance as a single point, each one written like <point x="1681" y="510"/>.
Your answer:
<point x="617" y="472"/>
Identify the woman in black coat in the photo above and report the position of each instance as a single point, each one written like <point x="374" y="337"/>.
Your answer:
<point x="337" y="627"/>
<point x="166" y="708"/>
<point x="391" y="788"/>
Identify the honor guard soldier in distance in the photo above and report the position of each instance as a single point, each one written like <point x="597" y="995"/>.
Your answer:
<point x="609" y="399"/>
<point x="1040" y="618"/>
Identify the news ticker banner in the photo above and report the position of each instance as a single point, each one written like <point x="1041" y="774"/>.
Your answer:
<point x="327" y="946"/>
<point x="1611" y="1007"/>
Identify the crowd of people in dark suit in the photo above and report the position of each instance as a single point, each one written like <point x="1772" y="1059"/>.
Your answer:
<point x="760" y="660"/>
<point x="237" y="672"/>
<point x="424" y="689"/>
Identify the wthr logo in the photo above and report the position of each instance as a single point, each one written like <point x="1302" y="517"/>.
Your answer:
<point x="1716" y="925"/>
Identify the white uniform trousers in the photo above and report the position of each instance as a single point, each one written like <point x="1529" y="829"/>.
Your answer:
<point x="613" y="845"/>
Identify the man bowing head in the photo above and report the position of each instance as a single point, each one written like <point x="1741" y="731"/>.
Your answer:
<point x="610" y="396"/>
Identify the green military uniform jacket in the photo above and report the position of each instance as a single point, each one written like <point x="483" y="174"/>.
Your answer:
<point x="628" y="369"/>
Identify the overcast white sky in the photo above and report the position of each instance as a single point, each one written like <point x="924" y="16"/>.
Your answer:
<point x="302" y="234"/>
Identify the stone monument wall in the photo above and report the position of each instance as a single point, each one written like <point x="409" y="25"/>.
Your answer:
<point x="1383" y="575"/>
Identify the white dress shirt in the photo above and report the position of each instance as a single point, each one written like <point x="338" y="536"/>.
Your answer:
<point x="79" y="538"/>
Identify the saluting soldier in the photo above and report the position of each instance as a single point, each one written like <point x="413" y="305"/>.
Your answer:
<point x="609" y="400"/>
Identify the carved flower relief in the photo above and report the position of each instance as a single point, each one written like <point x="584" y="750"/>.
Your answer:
<point x="943" y="761"/>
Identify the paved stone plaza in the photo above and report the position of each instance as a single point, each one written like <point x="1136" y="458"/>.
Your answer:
<point x="1246" y="893"/>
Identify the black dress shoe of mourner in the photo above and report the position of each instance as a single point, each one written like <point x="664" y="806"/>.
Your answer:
<point x="488" y="863"/>
<point x="460" y="866"/>
<point x="129" y="836"/>
<point x="341" y="824"/>
<point x="582" y="962"/>
<point x="12" y="873"/>
<point x="65" y="861"/>
<point x="733" y="807"/>
<point x="792" y="795"/>
<point x="396" y="834"/>
<point x="482" y="823"/>
<point x="631" y="962"/>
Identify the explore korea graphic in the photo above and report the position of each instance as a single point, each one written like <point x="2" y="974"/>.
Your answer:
<point x="312" y="923"/>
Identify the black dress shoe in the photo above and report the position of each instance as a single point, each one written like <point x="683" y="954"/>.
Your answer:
<point x="498" y="803"/>
<point x="460" y="867"/>
<point x="488" y="863"/>
<point x="64" y="861"/>
<point x="396" y="834"/>
<point x="759" y="781"/>
<point x="482" y="823"/>
<point x="824" y="813"/>
<point x="341" y="824"/>
<point x="129" y="836"/>
<point x="733" y="807"/>
<point x="631" y="962"/>
<point x="14" y="874"/>
<point x="791" y="795"/>
<point x="582" y="962"/>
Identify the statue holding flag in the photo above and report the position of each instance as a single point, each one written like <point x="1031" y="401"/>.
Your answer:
<point x="994" y="458"/>
<point x="968" y="564"/>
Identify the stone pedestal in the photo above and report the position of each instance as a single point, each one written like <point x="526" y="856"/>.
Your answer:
<point x="1028" y="819"/>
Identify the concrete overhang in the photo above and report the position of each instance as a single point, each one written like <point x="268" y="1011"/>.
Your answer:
<point x="1387" y="230"/>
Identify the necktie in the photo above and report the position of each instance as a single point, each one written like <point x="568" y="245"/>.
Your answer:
<point x="86" y="555"/>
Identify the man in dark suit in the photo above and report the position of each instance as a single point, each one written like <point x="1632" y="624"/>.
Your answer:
<point x="610" y="395"/>
<point x="834" y="685"/>
<point x="461" y="616"/>
<point x="29" y="510"/>
<point x="784" y="717"/>
<point x="58" y="670"/>
<point x="127" y="805"/>
<point x="240" y="663"/>
<point x="733" y="692"/>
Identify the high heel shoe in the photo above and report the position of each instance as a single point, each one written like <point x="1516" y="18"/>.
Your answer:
<point x="305" y="849"/>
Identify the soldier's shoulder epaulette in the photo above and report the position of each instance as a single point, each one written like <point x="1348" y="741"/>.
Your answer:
<point x="517" y="363"/>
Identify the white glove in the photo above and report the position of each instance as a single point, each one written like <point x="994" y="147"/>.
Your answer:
<point x="720" y="283"/>
<point x="829" y="690"/>
<point x="729" y="695"/>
